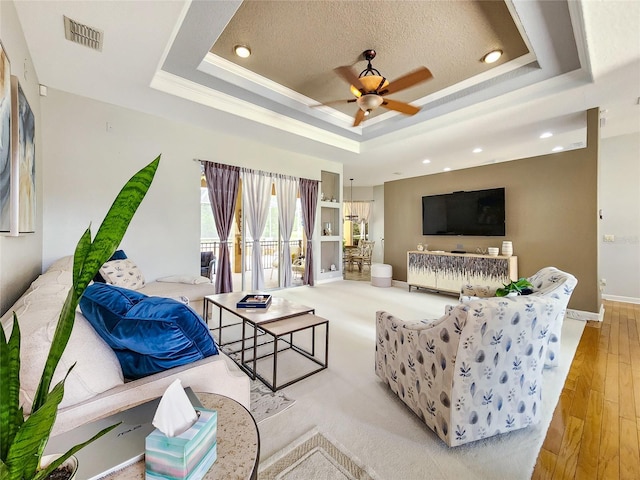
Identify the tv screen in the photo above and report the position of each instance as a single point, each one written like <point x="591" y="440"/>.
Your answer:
<point x="479" y="213"/>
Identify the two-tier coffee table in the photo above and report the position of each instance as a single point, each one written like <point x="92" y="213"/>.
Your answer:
<point x="279" y="322"/>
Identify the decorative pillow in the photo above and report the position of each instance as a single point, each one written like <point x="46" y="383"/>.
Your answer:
<point x="148" y="334"/>
<point x="188" y="279"/>
<point x="117" y="255"/>
<point x="123" y="273"/>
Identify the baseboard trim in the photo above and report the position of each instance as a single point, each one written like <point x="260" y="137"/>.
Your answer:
<point x="618" y="298"/>
<point x="329" y="280"/>
<point x="586" y="316"/>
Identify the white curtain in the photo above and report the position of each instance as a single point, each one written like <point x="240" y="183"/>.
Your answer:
<point x="286" y="192"/>
<point x="362" y="210"/>
<point x="256" y="188"/>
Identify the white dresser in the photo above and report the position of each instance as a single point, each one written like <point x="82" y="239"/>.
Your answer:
<point x="447" y="272"/>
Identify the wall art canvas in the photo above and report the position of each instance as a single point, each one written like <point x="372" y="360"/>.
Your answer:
<point x="5" y="141"/>
<point x="23" y="151"/>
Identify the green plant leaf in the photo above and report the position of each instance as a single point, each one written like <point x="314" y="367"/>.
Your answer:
<point x="30" y="440"/>
<point x="51" y="467"/>
<point x="80" y="255"/>
<point x="24" y="447"/>
<point x="88" y="258"/>
<point x="58" y="344"/>
<point x="514" y="286"/>
<point x="11" y="417"/>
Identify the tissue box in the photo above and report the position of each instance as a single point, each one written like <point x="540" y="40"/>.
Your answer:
<point x="186" y="456"/>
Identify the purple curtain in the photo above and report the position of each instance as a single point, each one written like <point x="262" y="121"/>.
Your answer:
<point x="309" y="201"/>
<point x="222" y="183"/>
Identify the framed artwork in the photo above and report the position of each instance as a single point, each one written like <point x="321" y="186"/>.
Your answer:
<point x="5" y="141"/>
<point x="23" y="164"/>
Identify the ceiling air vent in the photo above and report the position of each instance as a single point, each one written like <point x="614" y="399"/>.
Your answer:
<point x="82" y="34"/>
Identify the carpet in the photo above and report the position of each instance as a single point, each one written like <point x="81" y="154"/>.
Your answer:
<point x="351" y="404"/>
<point x="313" y="456"/>
<point x="265" y="403"/>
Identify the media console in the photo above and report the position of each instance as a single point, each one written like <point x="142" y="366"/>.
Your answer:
<point x="447" y="272"/>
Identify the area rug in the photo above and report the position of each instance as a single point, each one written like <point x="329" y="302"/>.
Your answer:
<point x="265" y="403"/>
<point x="313" y="456"/>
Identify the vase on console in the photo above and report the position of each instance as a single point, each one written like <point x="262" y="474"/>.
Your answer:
<point x="507" y="248"/>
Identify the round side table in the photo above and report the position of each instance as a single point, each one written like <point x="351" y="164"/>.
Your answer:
<point x="238" y="443"/>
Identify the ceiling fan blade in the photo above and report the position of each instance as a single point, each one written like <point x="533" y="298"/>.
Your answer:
<point x="333" y="102"/>
<point x="420" y="75"/>
<point x="350" y="75"/>
<point x="359" y="117"/>
<point x="401" y="107"/>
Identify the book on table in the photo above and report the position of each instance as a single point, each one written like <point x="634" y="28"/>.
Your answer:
<point x="255" y="300"/>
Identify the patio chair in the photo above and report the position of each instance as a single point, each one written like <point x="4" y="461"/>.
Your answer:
<point x="207" y="264"/>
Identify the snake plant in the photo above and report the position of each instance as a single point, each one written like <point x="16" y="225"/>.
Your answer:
<point x="22" y="441"/>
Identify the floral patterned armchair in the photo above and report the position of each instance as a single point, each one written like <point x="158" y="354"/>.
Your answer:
<point x="473" y="373"/>
<point x="547" y="282"/>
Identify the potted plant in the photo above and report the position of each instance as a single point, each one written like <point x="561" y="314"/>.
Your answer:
<point x="521" y="286"/>
<point x="22" y="441"/>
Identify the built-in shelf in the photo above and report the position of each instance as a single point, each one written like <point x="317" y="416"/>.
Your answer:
<point x="330" y="187"/>
<point x="326" y="204"/>
<point x="329" y="238"/>
<point x="330" y="226"/>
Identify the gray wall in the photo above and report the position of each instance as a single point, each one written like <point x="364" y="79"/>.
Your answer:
<point x="551" y="219"/>
<point x="21" y="257"/>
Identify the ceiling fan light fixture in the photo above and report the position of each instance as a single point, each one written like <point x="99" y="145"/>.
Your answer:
<point x="492" y="56"/>
<point x="242" y="51"/>
<point x="369" y="102"/>
<point x="371" y="83"/>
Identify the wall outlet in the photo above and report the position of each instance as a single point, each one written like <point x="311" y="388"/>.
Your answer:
<point x="609" y="238"/>
<point x="603" y="282"/>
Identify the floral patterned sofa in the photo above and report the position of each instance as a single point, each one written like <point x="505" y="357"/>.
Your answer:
<point x="549" y="282"/>
<point x="473" y="373"/>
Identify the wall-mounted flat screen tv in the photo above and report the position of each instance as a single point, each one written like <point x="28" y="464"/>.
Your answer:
<point x="479" y="213"/>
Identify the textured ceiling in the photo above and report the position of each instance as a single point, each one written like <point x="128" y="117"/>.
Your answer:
<point x="298" y="44"/>
<point x="156" y="59"/>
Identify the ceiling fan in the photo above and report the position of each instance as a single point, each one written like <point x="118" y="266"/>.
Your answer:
<point x="370" y="88"/>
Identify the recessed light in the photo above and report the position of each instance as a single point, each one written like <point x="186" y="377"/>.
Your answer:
<point x="492" y="56"/>
<point x="557" y="149"/>
<point x="242" y="51"/>
<point x="447" y="169"/>
<point x="546" y="135"/>
<point x="426" y="160"/>
<point x="477" y="150"/>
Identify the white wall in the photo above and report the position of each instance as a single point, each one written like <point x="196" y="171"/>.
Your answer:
<point x="377" y="225"/>
<point x="619" y="178"/>
<point x="21" y="257"/>
<point x="87" y="163"/>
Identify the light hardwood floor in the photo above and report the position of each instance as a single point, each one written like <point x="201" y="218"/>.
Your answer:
<point x="595" y="430"/>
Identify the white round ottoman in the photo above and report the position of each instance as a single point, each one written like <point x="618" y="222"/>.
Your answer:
<point x="381" y="275"/>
